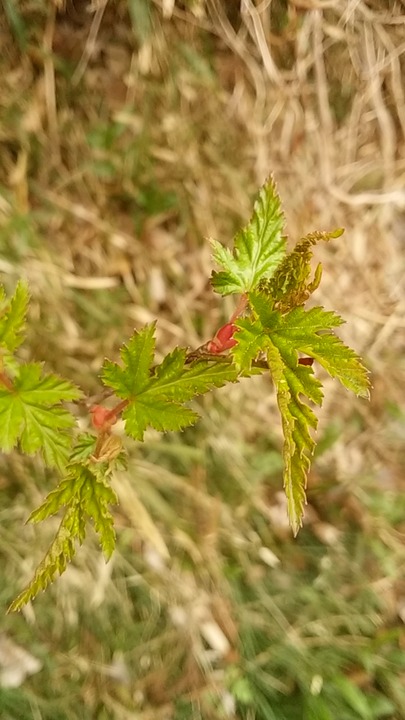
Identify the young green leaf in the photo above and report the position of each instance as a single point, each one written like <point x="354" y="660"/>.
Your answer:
<point x="258" y="248"/>
<point x="137" y="357"/>
<point x="155" y="394"/>
<point x="310" y="332"/>
<point x="60" y="553"/>
<point x="30" y="414"/>
<point x="97" y="496"/>
<point x="282" y="337"/>
<point x="156" y="412"/>
<point x="86" y="495"/>
<point x="12" y="317"/>
<point x="290" y="285"/>
<point x="251" y="342"/>
<point x="293" y="383"/>
<point x="84" y="447"/>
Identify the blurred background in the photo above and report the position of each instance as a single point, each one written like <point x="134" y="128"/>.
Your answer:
<point x="132" y="131"/>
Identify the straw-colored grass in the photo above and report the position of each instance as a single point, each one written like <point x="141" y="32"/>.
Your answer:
<point x="131" y="132"/>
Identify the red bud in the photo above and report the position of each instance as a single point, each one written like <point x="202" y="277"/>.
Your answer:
<point x="101" y="417"/>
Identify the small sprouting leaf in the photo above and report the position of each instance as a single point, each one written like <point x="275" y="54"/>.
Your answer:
<point x="108" y="448"/>
<point x="155" y="394"/>
<point x="12" y="317"/>
<point x="290" y="285"/>
<point x="30" y="413"/>
<point x="258" y="248"/>
<point x="84" y="447"/>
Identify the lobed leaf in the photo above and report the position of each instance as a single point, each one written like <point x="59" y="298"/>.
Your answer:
<point x="258" y="248"/>
<point x="155" y="397"/>
<point x="283" y="336"/>
<point x="297" y="419"/>
<point x="137" y="357"/>
<point x="60" y="553"/>
<point x="309" y="331"/>
<point x="30" y="414"/>
<point x="158" y="413"/>
<point x="86" y="495"/>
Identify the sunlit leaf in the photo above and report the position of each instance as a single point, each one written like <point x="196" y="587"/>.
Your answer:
<point x="155" y="393"/>
<point x="31" y="414"/>
<point x="258" y="248"/>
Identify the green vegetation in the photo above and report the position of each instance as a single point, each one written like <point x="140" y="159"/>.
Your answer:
<point x="132" y="132"/>
<point x="276" y="326"/>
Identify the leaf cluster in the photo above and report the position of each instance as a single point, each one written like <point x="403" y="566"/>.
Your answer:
<point x="280" y="328"/>
<point x="273" y="333"/>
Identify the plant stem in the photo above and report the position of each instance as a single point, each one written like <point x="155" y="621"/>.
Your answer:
<point x="214" y="357"/>
<point x="117" y="410"/>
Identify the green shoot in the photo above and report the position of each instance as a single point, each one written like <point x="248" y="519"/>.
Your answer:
<point x="270" y="331"/>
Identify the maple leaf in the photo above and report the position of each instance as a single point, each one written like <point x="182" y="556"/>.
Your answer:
<point x="156" y="395"/>
<point x="258" y="248"/>
<point x="31" y="414"/>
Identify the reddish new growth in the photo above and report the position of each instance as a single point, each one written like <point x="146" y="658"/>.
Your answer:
<point x="223" y="339"/>
<point x="102" y="418"/>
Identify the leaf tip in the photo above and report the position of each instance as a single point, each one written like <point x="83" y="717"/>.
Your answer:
<point x="12" y="608"/>
<point x="295" y="527"/>
<point x="18" y="603"/>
